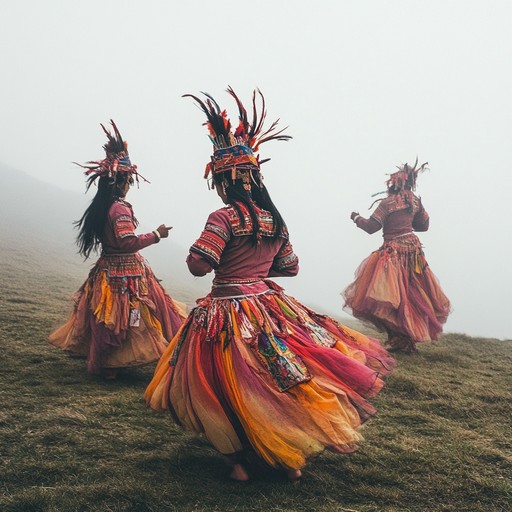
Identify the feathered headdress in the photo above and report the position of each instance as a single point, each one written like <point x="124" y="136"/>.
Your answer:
<point x="116" y="161"/>
<point x="402" y="183"/>
<point x="405" y="177"/>
<point x="234" y="151"/>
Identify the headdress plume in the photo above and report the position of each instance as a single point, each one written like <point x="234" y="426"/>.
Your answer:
<point x="234" y="151"/>
<point x="117" y="159"/>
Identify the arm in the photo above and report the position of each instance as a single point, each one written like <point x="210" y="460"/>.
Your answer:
<point x="205" y="253"/>
<point x="374" y="223"/>
<point x="121" y="219"/>
<point x="370" y="225"/>
<point x="198" y="265"/>
<point x="286" y="262"/>
<point x="421" y="220"/>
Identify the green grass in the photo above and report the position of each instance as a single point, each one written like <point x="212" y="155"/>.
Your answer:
<point x="441" y="440"/>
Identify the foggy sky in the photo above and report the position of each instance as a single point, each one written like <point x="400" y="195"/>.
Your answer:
<point x="363" y="85"/>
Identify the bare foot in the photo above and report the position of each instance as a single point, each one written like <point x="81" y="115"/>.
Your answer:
<point x="294" y="475"/>
<point x="239" y="474"/>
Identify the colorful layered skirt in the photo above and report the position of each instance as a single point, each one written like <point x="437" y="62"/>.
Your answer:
<point x="122" y="316"/>
<point x="395" y="289"/>
<point x="259" y="373"/>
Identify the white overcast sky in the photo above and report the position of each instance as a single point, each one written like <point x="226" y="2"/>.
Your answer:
<point x="363" y="85"/>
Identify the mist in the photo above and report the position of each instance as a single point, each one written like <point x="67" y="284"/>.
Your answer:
<point x="364" y="86"/>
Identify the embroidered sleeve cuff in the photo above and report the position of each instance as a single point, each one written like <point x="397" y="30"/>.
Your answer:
<point x="375" y="217"/>
<point x="123" y="226"/>
<point x="211" y="244"/>
<point x="286" y="258"/>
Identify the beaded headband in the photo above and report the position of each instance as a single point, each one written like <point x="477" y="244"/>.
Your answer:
<point x="116" y="161"/>
<point x="405" y="177"/>
<point x="234" y="152"/>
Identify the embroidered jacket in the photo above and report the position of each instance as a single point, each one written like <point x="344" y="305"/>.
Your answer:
<point x="396" y="218"/>
<point x="119" y="236"/>
<point x="226" y="246"/>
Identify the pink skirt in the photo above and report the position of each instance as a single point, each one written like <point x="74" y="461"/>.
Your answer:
<point x="395" y="290"/>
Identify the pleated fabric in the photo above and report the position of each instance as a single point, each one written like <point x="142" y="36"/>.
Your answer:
<point x="267" y="375"/>
<point x="122" y="316"/>
<point x="395" y="289"/>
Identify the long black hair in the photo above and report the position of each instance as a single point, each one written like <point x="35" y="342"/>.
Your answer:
<point x="92" y="223"/>
<point x="258" y="195"/>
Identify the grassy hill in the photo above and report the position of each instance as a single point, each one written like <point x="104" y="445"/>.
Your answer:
<point x="71" y="442"/>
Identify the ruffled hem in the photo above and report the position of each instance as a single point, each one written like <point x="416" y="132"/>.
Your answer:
<point x="120" y="319"/>
<point x="266" y="374"/>
<point x="395" y="290"/>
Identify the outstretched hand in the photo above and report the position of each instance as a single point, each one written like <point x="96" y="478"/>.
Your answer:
<point x="353" y="215"/>
<point x="163" y="230"/>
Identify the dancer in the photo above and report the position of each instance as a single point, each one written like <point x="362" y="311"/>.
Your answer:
<point x="394" y="287"/>
<point x="259" y="374"/>
<point x="122" y="316"/>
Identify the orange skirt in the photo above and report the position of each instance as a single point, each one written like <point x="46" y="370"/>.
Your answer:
<point x="264" y="374"/>
<point x="122" y="316"/>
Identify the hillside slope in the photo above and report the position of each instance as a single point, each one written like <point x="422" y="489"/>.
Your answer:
<point x="441" y="440"/>
<point x="38" y="238"/>
<point x="68" y="441"/>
